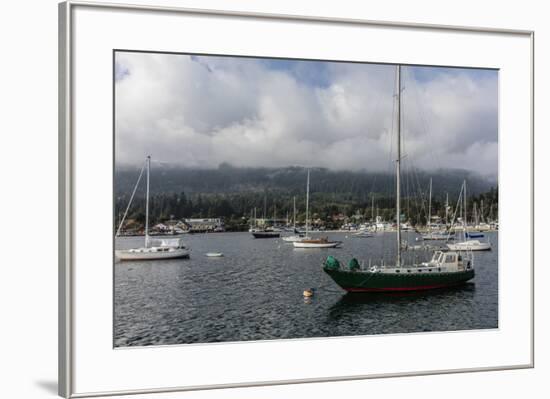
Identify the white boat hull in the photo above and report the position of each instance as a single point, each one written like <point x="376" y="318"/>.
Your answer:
<point x="214" y="255"/>
<point x="151" y="254"/>
<point x="470" y="246"/>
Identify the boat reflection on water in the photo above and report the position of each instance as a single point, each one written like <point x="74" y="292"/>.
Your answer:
<point x="404" y="311"/>
<point x="372" y="297"/>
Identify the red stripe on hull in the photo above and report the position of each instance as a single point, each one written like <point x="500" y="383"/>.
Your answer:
<point x="388" y="289"/>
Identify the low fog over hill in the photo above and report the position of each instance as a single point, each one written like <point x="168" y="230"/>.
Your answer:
<point x="291" y="181"/>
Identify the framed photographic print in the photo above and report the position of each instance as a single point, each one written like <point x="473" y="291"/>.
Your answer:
<point x="252" y="199"/>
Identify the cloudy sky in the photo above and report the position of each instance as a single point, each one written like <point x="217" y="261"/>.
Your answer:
<point x="200" y="111"/>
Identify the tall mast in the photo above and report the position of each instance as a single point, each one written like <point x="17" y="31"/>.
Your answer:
<point x="147" y="203"/>
<point x="307" y="204"/>
<point x="465" y="211"/>
<point x="465" y="205"/>
<point x="430" y="208"/>
<point x="294" y="214"/>
<point x="131" y="199"/>
<point x="372" y="209"/>
<point x="398" y="167"/>
<point x="447" y="210"/>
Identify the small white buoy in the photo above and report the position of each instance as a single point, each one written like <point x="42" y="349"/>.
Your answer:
<point x="308" y="293"/>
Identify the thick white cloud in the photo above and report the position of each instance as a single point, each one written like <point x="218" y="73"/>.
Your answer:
<point x="202" y="111"/>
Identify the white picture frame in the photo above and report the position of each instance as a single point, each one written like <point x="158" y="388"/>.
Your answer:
<point x="85" y="357"/>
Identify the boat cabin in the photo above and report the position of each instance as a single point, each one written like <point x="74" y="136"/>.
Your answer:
<point x="449" y="261"/>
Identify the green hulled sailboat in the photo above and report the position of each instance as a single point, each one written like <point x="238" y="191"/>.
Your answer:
<point x="445" y="269"/>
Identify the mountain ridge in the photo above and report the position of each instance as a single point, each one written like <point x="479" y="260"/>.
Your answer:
<point x="292" y="179"/>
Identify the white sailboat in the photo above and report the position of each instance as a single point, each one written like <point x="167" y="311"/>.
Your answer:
<point x="172" y="248"/>
<point x="468" y="244"/>
<point x="434" y="235"/>
<point x="296" y="236"/>
<point x="307" y="242"/>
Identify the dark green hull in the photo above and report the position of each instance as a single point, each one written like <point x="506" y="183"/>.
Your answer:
<point x="361" y="281"/>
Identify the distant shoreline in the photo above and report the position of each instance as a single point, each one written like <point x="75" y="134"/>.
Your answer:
<point x="282" y="233"/>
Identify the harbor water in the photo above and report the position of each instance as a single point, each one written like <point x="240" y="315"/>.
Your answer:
<point x="255" y="292"/>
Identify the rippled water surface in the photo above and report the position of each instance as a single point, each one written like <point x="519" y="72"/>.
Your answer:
<point x="255" y="292"/>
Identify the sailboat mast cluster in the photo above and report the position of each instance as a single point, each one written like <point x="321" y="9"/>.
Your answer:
<point x="307" y="204"/>
<point x="148" y="163"/>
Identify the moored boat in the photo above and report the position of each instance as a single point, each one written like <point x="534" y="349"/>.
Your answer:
<point x="308" y="242"/>
<point x="446" y="268"/>
<point x="266" y="233"/>
<point x="157" y="249"/>
<point x="297" y="236"/>
<point x="323" y="242"/>
<point x="153" y="249"/>
<point x="438" y="236"/>
<point x="470" y="245"/>
<point x="435" y="235"/>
